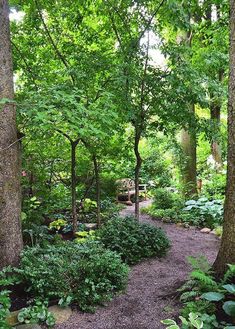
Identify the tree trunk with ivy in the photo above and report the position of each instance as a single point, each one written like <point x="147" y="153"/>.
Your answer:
<point x="10" y="193"/>
<point x="226" y="253"/>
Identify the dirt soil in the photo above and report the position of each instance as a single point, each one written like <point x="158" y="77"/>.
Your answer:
<point x="150" y="296"/>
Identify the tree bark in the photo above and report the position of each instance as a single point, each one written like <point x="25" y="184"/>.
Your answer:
<point x="215" y="106"/>
<point x="189" y="141"/>
<point x="137" y="172"/>
<point x="226" y="253"/>
<point x="215" y="110"/>
<point x="10" y="193"/>
<point x="189" y="166"/>
<point x="73" y="184"/>
<point x="215" y="146"/>
<point x="97" y="181"/>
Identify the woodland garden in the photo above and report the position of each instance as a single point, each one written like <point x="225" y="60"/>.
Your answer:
<point x="117" y="164"/>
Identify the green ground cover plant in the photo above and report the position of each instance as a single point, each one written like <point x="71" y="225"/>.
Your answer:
<point x="201" y="212"/>
<point x="87" y="273"/>
<point x="37" y="313"/>
<point x="134" y="241"/>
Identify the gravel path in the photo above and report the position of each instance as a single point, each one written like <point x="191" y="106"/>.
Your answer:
<point x="150" y="294"/>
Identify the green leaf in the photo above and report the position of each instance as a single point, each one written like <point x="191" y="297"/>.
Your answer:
<point x="198" y="323"/>
<point x="190" y="203"/>
<point x="212" y="296"/>
<point x="168" y="322"/>
<point x="183" y="320"/>
<point x="230" y="288"/>
<point x="229" y="308"/>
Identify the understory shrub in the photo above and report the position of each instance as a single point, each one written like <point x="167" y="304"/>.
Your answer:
<point x="132" y="240"/>
<point x="86" y="273"/>
<point x="6" y="281"/>
<point x="214" y="185"/>
<point x="199" y="213"/>
<point x="5" y="304"/>
<point x="88" y="212"/>
<point x="166" y="205"/>
<point x="165" y="199"/>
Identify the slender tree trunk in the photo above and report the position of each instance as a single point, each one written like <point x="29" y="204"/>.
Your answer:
<point x="226" y="253"/>
<point x="189" y="166"/>
<point x="215" y="110"/>
<point x="188" y="140"/>
<point x="97" y="181"/>
<point x="215" y="146"/>
<point x="137" y="172"/>
<point x="10" y="193"/>
<point x="73" y="184"/>
<point x="31" y="183"/>
<point x="215" y="106"/>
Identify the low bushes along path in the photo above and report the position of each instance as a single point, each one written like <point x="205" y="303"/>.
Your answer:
<point x="150" y="296"/>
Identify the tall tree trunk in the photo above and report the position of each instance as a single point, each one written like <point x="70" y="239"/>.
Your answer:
<point x="10" y="193"/>
<point x="215" y="110"/>
<point x="215" y="106"/>
<point x="189" y="166"/>
<point x="215" y="146"/>
<point x="97" y="181"/>
<point x="137" y="172"/>
<point x="188" y="140"/>
<point x="226" y="253"/>
<point x="73" y="184"/>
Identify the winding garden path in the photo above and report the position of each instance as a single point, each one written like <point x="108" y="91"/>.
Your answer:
<point x="152" y="283"/>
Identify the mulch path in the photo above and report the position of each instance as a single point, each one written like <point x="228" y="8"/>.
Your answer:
<point x="151" y="292"/>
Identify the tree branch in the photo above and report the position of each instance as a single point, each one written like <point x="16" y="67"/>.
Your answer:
<point x="58" y="53"/>
<point x="6" y="148"/>
<point x="76" y="141"/>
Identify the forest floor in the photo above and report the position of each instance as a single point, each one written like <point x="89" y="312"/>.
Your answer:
<point x="151" y="292"/>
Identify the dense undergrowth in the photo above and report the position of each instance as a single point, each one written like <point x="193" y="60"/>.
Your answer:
<point x="202" y="211"/>
<point x="86" y="271"/>
<point x="207" y="302"/>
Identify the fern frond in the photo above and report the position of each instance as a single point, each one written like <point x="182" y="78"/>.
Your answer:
<point x="229" y="273"/>
<point x="203" y="278"/>
<point x="199" y="264"/>
<point x="189" y="296"/>
<point x="188" y="285"/>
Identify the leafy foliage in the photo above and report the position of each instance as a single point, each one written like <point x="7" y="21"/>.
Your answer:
<point x="208" y="298"/>
<point x="194" y="320"/>
<point x="165" y="199"/>
<point x="37" y="313"/>
<point x="87" y="272"/>
<point x="132" y="240"/>
<point x="206" y="213"/>
<point x="5" y="303"/>
<point x="6" y="280"/>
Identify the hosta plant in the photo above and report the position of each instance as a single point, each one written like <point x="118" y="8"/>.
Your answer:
<point x="205" y="212"/>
